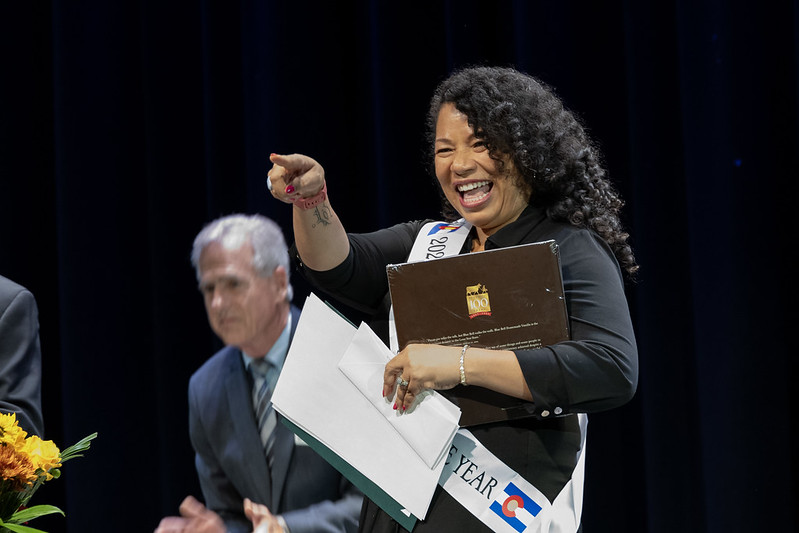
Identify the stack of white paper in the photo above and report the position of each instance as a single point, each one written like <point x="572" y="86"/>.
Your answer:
<point x="402" y="454"/>
<point x="431" y="424"/>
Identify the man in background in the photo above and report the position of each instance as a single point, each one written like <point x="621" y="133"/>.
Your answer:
<point x="20" y="357"/>
<point x="242" y="451"/>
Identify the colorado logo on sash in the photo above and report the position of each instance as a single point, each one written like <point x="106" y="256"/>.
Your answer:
<point x="442" y="226"/>
<point x="515" y="507"/>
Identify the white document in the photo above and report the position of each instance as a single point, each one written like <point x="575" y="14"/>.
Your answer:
<point x="431" y="424"/>
<point x="316" y="396"/>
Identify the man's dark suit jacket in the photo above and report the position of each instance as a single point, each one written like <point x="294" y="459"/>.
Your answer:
<point x="310" y="494"/>
<point x="20" y="357"/>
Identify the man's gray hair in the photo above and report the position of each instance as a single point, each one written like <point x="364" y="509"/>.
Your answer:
<point x="233" y="231"/>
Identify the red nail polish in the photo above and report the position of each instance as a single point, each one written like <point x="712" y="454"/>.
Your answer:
<point x="403" y="408"/>
<point x="289" y="189"/>
<point x="395" y="406"/>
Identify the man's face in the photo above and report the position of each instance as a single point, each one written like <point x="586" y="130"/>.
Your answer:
<point x="244" y="309"/>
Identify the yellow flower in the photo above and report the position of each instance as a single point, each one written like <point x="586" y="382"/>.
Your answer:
<point x="10" y="432"/>
<point x="43" y="454"/>
<point x="26" y="463"/>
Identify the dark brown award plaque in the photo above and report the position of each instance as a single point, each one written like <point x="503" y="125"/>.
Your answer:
<point x="505" y="299"/>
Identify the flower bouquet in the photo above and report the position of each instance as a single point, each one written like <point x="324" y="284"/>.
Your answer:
<point x="25" y="463"/>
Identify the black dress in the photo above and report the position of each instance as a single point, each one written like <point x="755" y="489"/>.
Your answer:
<point x="596" y="370"/>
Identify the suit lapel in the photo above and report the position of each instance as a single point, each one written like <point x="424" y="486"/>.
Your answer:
<point x="284" y="440"/>
<point x="239" y="396"/>
<point x="284" y="447"/>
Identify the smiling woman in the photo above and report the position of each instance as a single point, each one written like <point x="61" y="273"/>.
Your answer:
<point x="488" y="195"/>
<point x="514" y="167"/>
<point x="524" y="125"/>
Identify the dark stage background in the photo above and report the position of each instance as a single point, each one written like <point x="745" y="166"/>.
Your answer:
<point x="125" y="126"/>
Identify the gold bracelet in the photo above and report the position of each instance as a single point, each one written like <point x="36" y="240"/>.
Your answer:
<point x="463" y="372"/>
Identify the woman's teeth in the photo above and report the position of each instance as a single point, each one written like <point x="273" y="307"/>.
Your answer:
<point x="469" y="186"/>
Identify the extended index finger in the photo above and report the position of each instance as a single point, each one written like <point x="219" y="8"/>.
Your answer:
<point x="303" y="174"/>
<point x="293" y="163"/>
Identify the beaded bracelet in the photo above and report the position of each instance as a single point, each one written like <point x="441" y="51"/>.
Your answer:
<point x="463" y="371"/>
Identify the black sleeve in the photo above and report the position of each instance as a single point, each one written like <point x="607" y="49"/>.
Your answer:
<point x="360" y="281"/>
<point x="598" y="368"/>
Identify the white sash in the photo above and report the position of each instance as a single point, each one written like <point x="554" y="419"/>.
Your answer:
<point x="434" y="241"/>
<point x="484" y="485"/>
<point x="501" y="498"/>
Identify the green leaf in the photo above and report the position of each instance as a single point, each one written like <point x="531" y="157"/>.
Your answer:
<point x="17" y="528"/>
<point x="76" y="449"/>
<point x="35" y="512"/>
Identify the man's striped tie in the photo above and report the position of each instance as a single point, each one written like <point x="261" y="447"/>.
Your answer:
<point x="262" y="403"/>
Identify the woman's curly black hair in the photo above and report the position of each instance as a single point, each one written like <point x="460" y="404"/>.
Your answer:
<point x="520" y="117"/>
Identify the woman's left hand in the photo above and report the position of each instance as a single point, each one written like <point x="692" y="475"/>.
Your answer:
<point x="423" y="367"/>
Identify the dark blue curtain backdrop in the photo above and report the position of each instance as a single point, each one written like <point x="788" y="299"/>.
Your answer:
<point x="125" y="126"/>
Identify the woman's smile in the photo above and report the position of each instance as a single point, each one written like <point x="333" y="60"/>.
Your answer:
<point x="475" y="193"/>
<point x="471" y="178"/>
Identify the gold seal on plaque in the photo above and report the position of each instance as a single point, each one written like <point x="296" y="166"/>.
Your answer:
<point x="477" y="300"/>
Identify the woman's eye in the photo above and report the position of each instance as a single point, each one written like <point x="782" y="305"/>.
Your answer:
<point x="479" y="145"/>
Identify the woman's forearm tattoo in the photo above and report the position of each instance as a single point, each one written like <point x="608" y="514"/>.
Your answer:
<point x="322" y="213"/>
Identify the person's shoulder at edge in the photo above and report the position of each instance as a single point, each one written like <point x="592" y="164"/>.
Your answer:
<point x="9" y="290"/>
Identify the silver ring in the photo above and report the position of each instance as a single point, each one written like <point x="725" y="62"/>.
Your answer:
<point x="402" y="382"/>
<point x="269" y="183"/>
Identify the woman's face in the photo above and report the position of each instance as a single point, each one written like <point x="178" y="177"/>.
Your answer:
<point x="470" y="178"/>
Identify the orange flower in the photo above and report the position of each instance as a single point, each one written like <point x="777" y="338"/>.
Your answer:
<point x="16" y="467"/>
